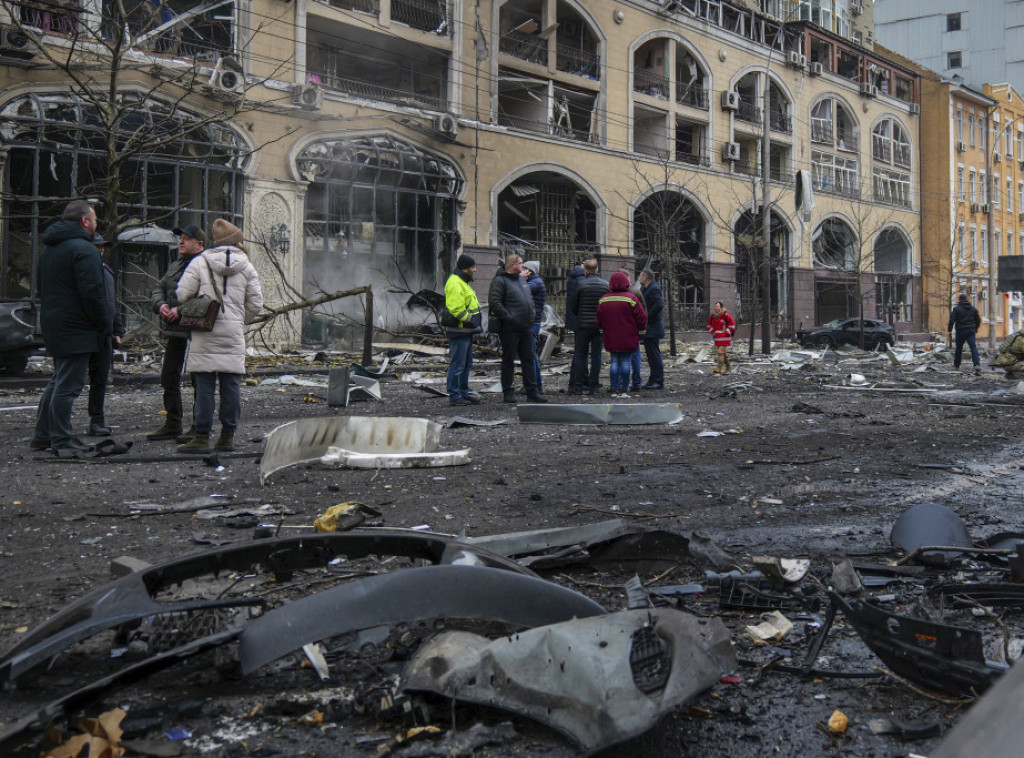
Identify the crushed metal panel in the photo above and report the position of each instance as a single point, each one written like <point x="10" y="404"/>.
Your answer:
<point x="307" y="440"/>
<point x="430" y="594"/>
<point x="605" y="413"/>
<point x="540" y="540"/>
<point x="941" y="657"/>
<point x="930" y="525"/>
<point x="132" y="597"/>
<point x="336" y="456"/>
<point x="585" y="678"/>
<point x="993" y="727"/>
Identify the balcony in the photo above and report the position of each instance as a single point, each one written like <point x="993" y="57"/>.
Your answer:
<point x="51" y="17"/>
<point x="653" y="85"/>
<point x="360" y="88"/>
<point x="650" y="151"/>
<point x="781" y="122"/>
<point x="692" y="95"/>
<point x="361" y="6"/>
<point x="572" y="60"/>
<point x="821" y="130"/>
<point x="543" y="127"/>
<point x="748" y="112"/>
<point x="693" y="160"/>
<point x="525" y="47"/>
<point x="425" y="15"/>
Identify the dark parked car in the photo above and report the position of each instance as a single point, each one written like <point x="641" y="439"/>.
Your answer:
<point x="846" y="331"/>
<point x="18" y="336"/>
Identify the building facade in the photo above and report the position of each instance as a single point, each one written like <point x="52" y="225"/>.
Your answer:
<point x="369" y="141"/>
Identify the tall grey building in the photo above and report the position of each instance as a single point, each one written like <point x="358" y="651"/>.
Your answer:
<point x="979" y="41"/>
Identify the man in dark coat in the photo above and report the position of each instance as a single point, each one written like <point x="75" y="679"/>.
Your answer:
<point x="191" y="241"/>
<point x="73" y="316"/>
<point x="510" y="303"/>
<point x="654" y="302"/>
<point x="100" y="363"/>
<point x="588" y="337"/>
<point x="573" y="284"/>
<point x="966" y="319"/>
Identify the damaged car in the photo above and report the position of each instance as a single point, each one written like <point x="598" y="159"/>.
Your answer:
<point x="19" y="338"/>
<point x="846" y="331"/>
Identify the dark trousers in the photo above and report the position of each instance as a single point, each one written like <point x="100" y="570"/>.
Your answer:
<point x="961" y="338"/>
<point x="653" y="349"/>
<point x="53" y="419"/>
<point x="517" y="344"/>
<point x="587" y="350"/>
<point x="99" y="375"/>
<point x="206" y="401"/>
<point x="170" y="379"/>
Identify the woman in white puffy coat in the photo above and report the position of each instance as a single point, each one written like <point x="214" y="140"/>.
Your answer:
<point x="219" y="355"/>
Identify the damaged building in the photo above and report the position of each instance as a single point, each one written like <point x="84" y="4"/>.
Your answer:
<point x="367" y="142"/>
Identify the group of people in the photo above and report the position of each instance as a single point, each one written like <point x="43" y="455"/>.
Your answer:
<point x="81" y="324"/>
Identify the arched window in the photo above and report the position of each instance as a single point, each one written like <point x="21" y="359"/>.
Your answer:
<point x="171" y="175"/>
<point x="834" y="148"/>
<point x="893" y="281"/>
<point x="834" y="246"/>
<point x="891" y="156"/>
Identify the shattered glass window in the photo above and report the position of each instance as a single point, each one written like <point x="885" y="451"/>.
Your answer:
<point x="170" y="174"/>
<point x="178" y="28"/>
<point x="834" y="245"/>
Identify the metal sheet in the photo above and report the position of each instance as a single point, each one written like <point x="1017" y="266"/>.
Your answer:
<point x="576" y="677"/>
<point x="306" y="440"/>
<point x="132" y="597"/>
<point x="337" y="456"/>
<point x="930" y="525"/>
<point x="605" y="413"/>
<point x="429" y="594"/>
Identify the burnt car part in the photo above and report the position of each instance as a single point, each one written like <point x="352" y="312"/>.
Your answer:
<point x="19" y="338"/>
<point x="931" y="526"/>
<point x="131" y="598"/>
<point x="599" y="681"/>
<point x="989" y="593"/>
<point x="18" y="733"/>
<point x="940" y="657"/>
<point x="753" y="592"/>
<point x="359" y="615"/>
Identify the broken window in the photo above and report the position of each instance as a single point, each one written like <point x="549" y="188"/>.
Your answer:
<point x="56" y="154"/>
<point x="834" y="245"/>
<point x="179" y="28"/>
<point x="748" y="242"/>
<point x="890" y="150"/>
<point x="377" y="208"/>
<point x="893" y="290"/>
<point x="833" y="127"/>
<point x="379" y="67"/>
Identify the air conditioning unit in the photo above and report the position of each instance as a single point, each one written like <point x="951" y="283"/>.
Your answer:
<point x="975" y="207"/>
<point x="868" y="90"/>
<point x="961" y="147"/>
<point x="730" y="100"/>
<point x="17" y="42"/>
<point x="915" y="109"/>
<point x="309" y="97"/>
<point x="816" y="69"/>
<point x="795" y="59"/>
<point x="447" y="126"/>
<point x="985" y="208"/>
<point x="731" y="151"/>
<point x="856" y="8"/>
<point x="227" y="77"/>
<point x="997" y="157"/>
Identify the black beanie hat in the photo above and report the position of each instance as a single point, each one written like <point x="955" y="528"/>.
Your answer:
<point x="464" y="262"/>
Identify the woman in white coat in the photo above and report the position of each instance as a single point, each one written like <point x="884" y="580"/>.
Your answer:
<point x="219" y="355"/>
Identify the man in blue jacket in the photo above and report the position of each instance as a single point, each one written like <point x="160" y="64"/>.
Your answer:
<point x="654" y="301"/>
<point x="73" y="316"/>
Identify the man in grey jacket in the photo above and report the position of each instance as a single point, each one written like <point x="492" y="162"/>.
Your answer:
<point x="191" y="242"/>
<point x="511" y="312"/>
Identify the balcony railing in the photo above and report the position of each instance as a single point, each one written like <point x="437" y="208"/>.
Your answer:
<point x="425" y="15"/>
<point x="51" y="16"/>
<point x="386" y="94"/>
<point x="693" y="160"/>
<point x="654" y="85"/>
<point x="821" y="130"/>
<point x="544" y="127"/>
<point x="362" y="6"/>
<point x="525" y="47"/>
<point x="748" y="112"/>
<point x="572" y="60"/>
<point x="781" y="122"/>
<point x="692" y="95"/>
<point x="651" y="151"/>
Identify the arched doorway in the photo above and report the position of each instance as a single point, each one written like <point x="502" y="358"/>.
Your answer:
<point x="893" y="277"/>
<point x="668" y="237"/>
<point x="749" y="249"/>
<point x="836" y="292"/>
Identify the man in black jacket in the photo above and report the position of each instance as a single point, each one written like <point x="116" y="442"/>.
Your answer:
<point x="73" y="317"/>
<point x="511" y="312"/>
<point x="654" y="301"/>
<point x="191" y="242"/>
<point x="583" y="306"/>
<point x="967" y="320"/>
<point x="101" y="362"/>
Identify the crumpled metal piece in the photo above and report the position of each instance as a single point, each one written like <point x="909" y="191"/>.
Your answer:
<point x="586" y="677"/>
<point x="930" y="525"/>
<point x="614" y="413"/>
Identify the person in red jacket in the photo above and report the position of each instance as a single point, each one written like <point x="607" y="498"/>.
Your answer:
<point x="622" y="320"/>
<point x="722" y="327"/>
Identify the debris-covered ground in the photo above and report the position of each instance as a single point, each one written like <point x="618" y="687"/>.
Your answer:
<point x="807" y="456"/>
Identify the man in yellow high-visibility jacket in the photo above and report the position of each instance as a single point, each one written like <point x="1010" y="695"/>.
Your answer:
<point x="461" y="320"/>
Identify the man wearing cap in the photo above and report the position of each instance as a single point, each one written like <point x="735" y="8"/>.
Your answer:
<point x="463" y="321"/>
<point x="191" y="241"/>
<point x="100" y="363"/>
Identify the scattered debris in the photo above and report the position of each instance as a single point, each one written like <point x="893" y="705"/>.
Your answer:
<point x="604" y="413"/>
<point x="344" y="516"/>
<point x="838" y="722"/>
<point x="772" y="629"/>
<point x="457" y="421"/>
<point x="790" y="570"/>
<point x="845" y="579"/>
<point x="930" y="525"/>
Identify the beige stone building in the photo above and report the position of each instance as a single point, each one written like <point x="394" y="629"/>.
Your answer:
<point x="368" y="141"/>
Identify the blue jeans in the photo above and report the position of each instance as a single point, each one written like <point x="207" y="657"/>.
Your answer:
<point x="634" y="366"/>
<point x="587" y="349"/>
<point x="534" y="331"/>
<point x="961" y="338"/>
<point x="53" y="419"/>
<point x="619" y="371"/>
<point x="461" y="350"/>
<point x="230" y="400"/>
<point x="653" y="350"/>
